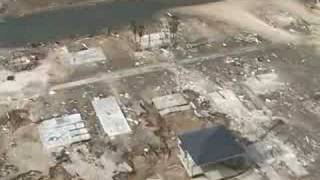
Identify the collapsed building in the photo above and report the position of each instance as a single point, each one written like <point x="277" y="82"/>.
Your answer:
<point x="62" y="131"/>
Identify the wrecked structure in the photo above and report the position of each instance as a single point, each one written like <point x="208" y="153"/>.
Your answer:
<point x="160" y="102"/>
<point x="211" y="151"/>
<point x="61" y="131"/>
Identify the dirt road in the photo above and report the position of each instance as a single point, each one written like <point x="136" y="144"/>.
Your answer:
<point x="112" y="76"/>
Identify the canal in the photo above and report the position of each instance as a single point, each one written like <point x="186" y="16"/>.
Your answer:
<point x="81" y="21"/>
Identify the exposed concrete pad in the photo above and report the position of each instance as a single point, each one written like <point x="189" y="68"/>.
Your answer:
<point x="155" y="40"/>
<point x="171" y="103"/>
<point x="200" y="178"/>
<point x="90" y="55"/>
<point x="220" y="172"/>
<point x="110" y="116"/>
<point x="175" y="109"/>
<point x="252" y="174"/>
<point x="264" y="83"/>
<point x="227" y="102"/>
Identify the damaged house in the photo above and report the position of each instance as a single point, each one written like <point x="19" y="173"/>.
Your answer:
<point x="212" y="152"/>
<point x="62" y="131"/>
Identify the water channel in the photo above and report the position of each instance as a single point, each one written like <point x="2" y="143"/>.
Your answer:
<point x="81" y="21"/>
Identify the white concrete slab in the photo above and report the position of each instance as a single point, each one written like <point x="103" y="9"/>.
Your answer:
<point x="90" y="55"/>
<point x="110" y="116"/>
<point x="218" y="172"/>
<point x="226" y="101"/>
<point x="200" y="178"/>
<point x="175" y="109"/>
<point x="252" y="174"/>
<point x="264" y="83"/>
<point x="155" y="40"/>
<point x="169" y="101"/>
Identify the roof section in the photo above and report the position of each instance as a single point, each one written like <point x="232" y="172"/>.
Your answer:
<point x="63" y="130"/>
<point x="211" y="145"/>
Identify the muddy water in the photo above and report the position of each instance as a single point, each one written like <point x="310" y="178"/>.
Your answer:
<point x="81" y="21"/>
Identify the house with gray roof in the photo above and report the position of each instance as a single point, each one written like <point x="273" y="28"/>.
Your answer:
<point x="213" y="152"/>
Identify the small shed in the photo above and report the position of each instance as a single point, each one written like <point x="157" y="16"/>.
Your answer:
<point x="203" y="149"/>
<point x="110" y="116"/>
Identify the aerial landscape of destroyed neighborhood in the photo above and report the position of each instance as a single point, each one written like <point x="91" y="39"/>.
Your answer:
<point x="159" y="89"/>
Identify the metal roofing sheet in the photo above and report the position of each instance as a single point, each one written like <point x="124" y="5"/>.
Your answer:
<point x="63" y="130"/>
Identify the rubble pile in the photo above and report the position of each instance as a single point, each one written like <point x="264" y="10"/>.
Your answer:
<point x="32" y="175"/>
<point x="22" y="62"/>
<point x="18" y="118"/>
<point x="248" y="38"/>
<point x="6" y="169"/>
<point x="119" y="115"/>
<point x="58" y="172"/>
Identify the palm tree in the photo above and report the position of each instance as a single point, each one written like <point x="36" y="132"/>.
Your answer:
<point x="173" y="26"/>
<point x="141" y="29"/>
<point x="133" y="27"/>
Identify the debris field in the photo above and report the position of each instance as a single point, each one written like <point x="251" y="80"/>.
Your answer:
<point x="144" y="102"/>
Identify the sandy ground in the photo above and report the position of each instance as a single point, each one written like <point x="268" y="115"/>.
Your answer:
<point x="244" y="66"/>
<point x="242" y="14"/>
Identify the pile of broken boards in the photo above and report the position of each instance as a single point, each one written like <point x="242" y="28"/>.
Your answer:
<point x="22" y="61"/>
